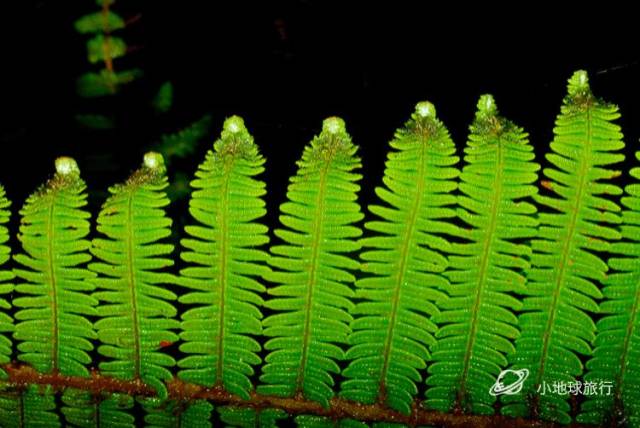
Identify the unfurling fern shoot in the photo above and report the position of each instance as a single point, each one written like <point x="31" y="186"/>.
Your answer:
<point x="136" y="312"/>
<point x="616" y="357"/>
<point x="54" y="287"/>
<point x="393" y="327"/>
<point x="478" y="319"/>
<point x="563" y="281"/>
<point x="225" y="262"/>
<point x="314" y="283"/>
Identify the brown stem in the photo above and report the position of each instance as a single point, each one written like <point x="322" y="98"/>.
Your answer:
<point x="21" y="375"/>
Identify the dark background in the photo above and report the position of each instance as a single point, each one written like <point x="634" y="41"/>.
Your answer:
<point x="285" y="66"/>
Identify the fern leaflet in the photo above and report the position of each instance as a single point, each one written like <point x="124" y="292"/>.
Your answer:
<point x="136" y="313"/>
<point x="616" y="357"/>
<point x="313" y="294"/>
<point x="479" y="323"/>
<point x="393" y="327"/>
<point x="226" y="203"/>
<point x="562" y="282"/>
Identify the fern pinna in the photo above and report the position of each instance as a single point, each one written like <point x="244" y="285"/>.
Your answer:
<point x="314" y="283"/>
<point x="616" y="357"/>
<point x="479" y="324"/>
<point x="224" y="265"/>
<point x="393" y="328"/>
<point x="137" y="314"/>
<point x="563" y="281"/>
<point x="53" y="326"/>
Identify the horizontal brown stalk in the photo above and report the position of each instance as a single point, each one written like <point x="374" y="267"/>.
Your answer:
<point x="21" y="375"/>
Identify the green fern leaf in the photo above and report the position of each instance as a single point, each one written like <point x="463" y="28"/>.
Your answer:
<point x="226" y="203"/>
<point x="244" y="417"/>
<point x="163" y="100"/>
<point x="314" y="292"/>
<point x="616" y="357"/>
<point x="54" y="332"/>
<point x="99" y="22"/>
<point x="116" y="412"/>
<point x="393" y="329"/>
<point x="105" y="82"/>
<point x="136" y="312"/>
<point x="6" y="287"/>
<point x="184" y="142"/>
<point x="562" y="283"/>
<point x="478" y="321"/>
<point x="100" y="48"/>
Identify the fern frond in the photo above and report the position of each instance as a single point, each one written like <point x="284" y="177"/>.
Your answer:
<point x="616" y="357"/>
<point x="244" y="417"/>
<point x="314" y="291"/>
<point x="105" y="82"/>
<point x="478" y="324"/>
<point x="184" y="142"/>
<point x="53" y="327"/>
<point x="562" y="283"/>
<point x="6" y="287"/>
<point x="226" y="202"/>
<point x="136" y="311"/>
<point x="163" y="99"/>
<point x="393" y="327"/>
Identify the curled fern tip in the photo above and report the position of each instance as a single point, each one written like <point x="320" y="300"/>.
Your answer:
<point x="333" y="125"/>
<point x="579" y="83"/>
<point x="234" y="124"/>
<point x="66" y="166"/>
<point x="153" y="160"/>
<point x="425" y="109"/>
<point x="487" y="106"/>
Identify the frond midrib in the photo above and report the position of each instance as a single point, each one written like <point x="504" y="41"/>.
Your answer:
<point x="570" y="237"/>
<point x="313" y="269"/>
<point x="631" y="326"/>
<point x="223" y="275"/>
<point x="55" y="348"/>
<point x="482" y="273"/>
<point x="132" y="285"/>
<point x="402" y="270"/>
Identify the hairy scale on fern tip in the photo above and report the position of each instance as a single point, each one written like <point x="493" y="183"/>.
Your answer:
<point x="224" y="262"/>
<point x="136" y="310"/>
<point x="313" y="294"/>
<point x="616" y="357"/>
<point x="575" y="226"/>
<point x="393" y="329"/>
<point x="54" y="287"/>
<point x="477" y="322"/>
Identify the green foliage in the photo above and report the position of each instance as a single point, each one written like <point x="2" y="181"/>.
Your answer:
<point x="170" y="414"/>
<point x="136" y="313"/>
<point x="224" y="265"/>
<point x="54" y="286"/>
<point x="164" y="98"/>
<point x="6" y="287"/>
<point x="250" y="418"/>
<point x="616" y="357"/>
<point x="105" y="82"/>
<point x="393" y="326"/>
<point x="478" y="319"/>
<point x="101" y="48"/>
<point x="566" y="266"/>
<point x="313" y="292"/>
<point x="449" y="258"/>
<point x="98" y="22"/>
<point x="183" y="143"/>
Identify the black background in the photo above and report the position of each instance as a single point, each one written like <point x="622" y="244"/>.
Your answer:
<point x="285" y="66"/>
